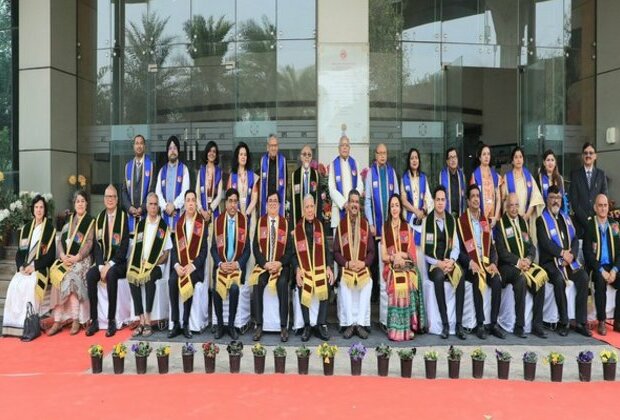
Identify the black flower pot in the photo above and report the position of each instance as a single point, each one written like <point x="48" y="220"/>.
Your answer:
<point x="328" y="366"/>
<point x="188" y="362"/>
<point x="609" y="371"/>
<point x="356" y="367"/>
<point x="503" y="369"/>
<point x="302" y="365"/>
<point x="209" y="364"/>
<point x="383" y="365"/>
<point x="477" y="368"/>
<point x="406" y="366"/>
<point x="141" y="365"/>
<point x="96" y="363"/>
<point x="430" y="367"/>
<point x="556" y="372"/>
<point x="234" y="362"/>
<point x="162" y="364"/>
<point x="259" y="364"/>
<point x="529" y="371"/>
<point x="585" y="371"/>
<point x="454" y="368"/>
<point x="118" y="364"/>
<point x="279" y="363"/>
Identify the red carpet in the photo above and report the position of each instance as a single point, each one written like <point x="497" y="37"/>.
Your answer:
<point x="612" y="338"/>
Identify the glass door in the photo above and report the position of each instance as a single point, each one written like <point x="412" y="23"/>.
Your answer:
<point x="453" y="94"/>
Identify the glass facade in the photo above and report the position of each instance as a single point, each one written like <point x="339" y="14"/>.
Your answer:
<point x="8" y="93"/>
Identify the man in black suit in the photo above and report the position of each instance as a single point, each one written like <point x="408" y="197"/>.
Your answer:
<point x="558" y="256"/>
<point x="585" y="184"/>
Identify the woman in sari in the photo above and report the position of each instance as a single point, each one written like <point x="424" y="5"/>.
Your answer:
<point x="520" y="181"/>
<point x="35" y="254"/>
<point x="549" y="175"/>
<point x="417" y="199"/>
<point x="406" y="313"/>
<point x="488" y="181"/>
<point x="69" y="297"/>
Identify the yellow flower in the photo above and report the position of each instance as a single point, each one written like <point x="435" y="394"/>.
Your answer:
<point x="1" y="176"/>
<point x="72" y="180"/>
<point x="82" y="180"/>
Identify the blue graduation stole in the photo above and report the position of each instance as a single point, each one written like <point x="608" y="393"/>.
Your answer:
<point x="444" y="179"/>
<point x="478" y="179"/>
<point x="510" y="184"/>
<point x="545" y="183"/>
<point x="234" y="183"/>
<point x="553" y="231"/>
<point x="147" y="172"/>
<point x="281" y="176"/>
<point x="205" y="197"/>
<point x="410" y="216"/>
<point x="338" y="174"/>
<point x="377" y="203"/>
<point x="171" y="221"/>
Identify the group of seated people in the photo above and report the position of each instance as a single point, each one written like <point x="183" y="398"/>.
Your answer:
<point x="454" y="234"/>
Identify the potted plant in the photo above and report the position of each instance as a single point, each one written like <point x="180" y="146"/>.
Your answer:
<point x="609" y="358"/>
<point x="406" y="361"/>
<point x="503" y="363"/>
<point x="454" y="362"/>
<point x="357" y="352"/>
<point x="529" y="365"/>
<point x="430" y="364"/>
<point x="142" y="351"/>
<point x="187" y="353"/>
<point x="210" y="351"/>
<point x="556" y="362"/>
<point x="119" y="351"/>
<point x="584" y="362"/>
<point x="327" y="353"/>
<point x="478" y="356"/>
<point x="259" y="351"/>
<point x="279" y="359"/>
<point x="235" y="351"/>
<point x="303" y="357"/>
<point x="383" y="359"/>
<point x="96" y="357"/>
<point x="163" y="355"/>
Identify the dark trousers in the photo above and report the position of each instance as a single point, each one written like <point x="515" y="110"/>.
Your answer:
<point x="93" y="276"/>
<point x="321" y="318"/>
<point x="375" y="272"/>
<point x="439" y="278"/>
<point x="282" y="290"/>
<point x="233" y="301"/>
<point x="580" y="278"/>
<point x="495" y="284"/>
<point x="600" y="294"/>
<point x="173" y="288"/>
<point x="512" y="275"/>
<point x="149" y="288"/>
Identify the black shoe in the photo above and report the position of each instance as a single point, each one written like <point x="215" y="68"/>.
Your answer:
<point x="111" y="328"/>
<point x="232" y="332"/>
<point x="323" y="332"/>
<point x="539" y="332"/>
<point x="258" y="334"/>
<point x="361" y="332"/>
<point x="92" y="329"/>
<point x="583" y="330"/>
<point x="518" y="332"/>
<point x="497" y="331"/>
<point x="283" y="334"/>
<point x="187" y="333"/>
<point x="305" y="335"/>
<point x="445" y="331"/>
<point x="175" y="331"/>
<point x="563" y="330"/>
<point x="460" y="333"/>
<point x="219" y="332"/>
<point x="481" y="332"/>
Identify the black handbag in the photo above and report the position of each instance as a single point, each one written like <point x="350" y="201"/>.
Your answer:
<point x="32" y="325"/>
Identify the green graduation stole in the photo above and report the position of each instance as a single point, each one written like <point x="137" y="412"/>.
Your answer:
<point x="315" y="275"/>
<point x="77" y="239"/>
<point x="354" y="249"/>
<point x="114" y="241"/>
<point x="139" y="271"/>
<point x="39" y="249"/>
<point x="429" y="237"/>
<point x="224" y="281"/>
<point x="188" y="250"/>
<point x="613" y="235"/>
<point x="263" y="245"/>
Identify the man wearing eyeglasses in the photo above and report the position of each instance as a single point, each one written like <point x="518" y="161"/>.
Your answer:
<point x="304" y="181"/>
<point x="139" y="174"/>
<point x="272" y="175"/>
<point x="585" y="184"/>
<point x="344" y="176"/>
<point x="172" y="182"/>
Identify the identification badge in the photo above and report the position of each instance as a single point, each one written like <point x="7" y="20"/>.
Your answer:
<point x="297" y="188"/>
<point x="510" y="232"/>
<point x="140" y="237"/>
<point x="338" y="178"/>
<point x="179" y="179"/>
<point x="430" y="238"/>
<point x="407" y="188"/>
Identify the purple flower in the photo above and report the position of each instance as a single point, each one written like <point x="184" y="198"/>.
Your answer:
<point x="357" y="351"/>
<point x="134" y="347"/>
<point x="585" y="356"/>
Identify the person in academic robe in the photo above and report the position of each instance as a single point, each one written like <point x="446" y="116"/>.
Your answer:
<point x="138" y="183"/>
<point x="230" y="250"/>
<point x="548" y="175"/>
<point x="601" y="250"/>
<point x="517" y="253"/>
<point x="189" y="253"/>
<point x="273" y="252"/>
<point x="416" y="196"/>
<point x="354" y="250"/>
<point x="453" y="180"/>
<point x="488" y="182"/>
<point x="559" y="247"/>
<point x="478" y="258"/>
<point x="304" y="181"/>
<point x="344" y="176"/>
<point x="35" y="254"/>
<point x="381" y="183"/>
<point x="110" y="253"/>
<point x="69" y="295"/>
<point x="149" y="251"/>
<point x="441" y="252"/>
<point x="172" y="182"/>
<point x="272" y="175"/>
<point x="313" y="268"/>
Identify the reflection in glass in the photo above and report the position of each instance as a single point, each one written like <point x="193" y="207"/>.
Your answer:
<point x="296" y="80"/>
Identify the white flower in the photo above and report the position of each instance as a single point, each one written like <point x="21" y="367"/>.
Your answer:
<point x="4" y="213"/>
<point x="16" y="205"/>
<point x="47" y="196"/>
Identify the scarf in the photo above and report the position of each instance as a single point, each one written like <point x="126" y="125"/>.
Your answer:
<point x="377" y="201"/>
<point x="338" y="176"/>
<point x="315" y="275"/>
<point x="477" y="175"/>
<point x="410" y="216"/>
<point x="206" y="197"/>
<point x="512" y="188"/>
<point x="553" y="232"/>
<point x="110" y="244"/>
<point x="399" y="242"/>
<point x="32" y="253"/>
<point x="224" y="281"/>
<point x="444" y="179"/>
<point x="188" y="250"/>
<point x="234" y="183"/>
<point x="172" y="221"/>
<point x="280" y="176"/>
<point x="430" y="235"/>
<point x="613" y="236"/>
<point x="147" y="172"/>
<point x="467" y="233"/>
<point x="354" y="249"/>
<point x="77" y="239"/>
<point x="297" y="186"/>
<point x="139" y="271"/>
<point x="264" y="238"/>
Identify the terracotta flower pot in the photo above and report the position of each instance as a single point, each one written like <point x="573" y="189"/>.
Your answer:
<point x="503" y="369"/>
<point x="96" y="363"/>
<point x="477" y="368"/>
<point x="209" y="364"/>
<point x="141" y="365"/>
<point x="302" y="365"/>
<point x="585" y="371"/>
<point x="430" y="367"/>
<point x="529" y="371"/>
<point x="556" y="372"/>
<point x="383" y="365"/>
<point x="609" y="371"/>
<point x="454" y="368"/>
<point x="328" y="366"/>
<point x="356" y="367"/>
<point x="162" y="364"/>
<point x="259" y="364"/>
<point x="279" y="364"/>
<point x="188" y="362"/>
<point x="118" y="363"/>
<point x="234" y="363"/>
<point x="406" y="366"/>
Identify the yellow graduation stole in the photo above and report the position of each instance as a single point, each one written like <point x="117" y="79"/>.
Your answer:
<point x="224" y="281"/>
<point x="357" y="248"/>
<point x="187" y="252"/>
<point x="264" y="237"/>
<point x="77" y="240"/>
<point x="48" y="234"/>
<point x="399" y="241"/>
<point x="139" y="270"/>
<point x="467" y="233"/>
<point x="315" y="276"/>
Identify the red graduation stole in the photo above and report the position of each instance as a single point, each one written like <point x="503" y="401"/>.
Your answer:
<point x="400" y="243"/>
<point x="224" y="281"/>
<point x="315" y="278"/>
<point x="263" y="245"/>
<point x="349" y="249"/>
<point x="467" y="233"/>
<point x="187" y="252"/>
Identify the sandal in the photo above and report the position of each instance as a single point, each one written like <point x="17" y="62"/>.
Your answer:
<point x="147" y="331"/>
<point x="138" y="331"/>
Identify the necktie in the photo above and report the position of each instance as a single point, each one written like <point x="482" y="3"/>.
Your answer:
<point x="589" y="178"/>
<point x="272" y="239"/>
<point x="230" y="242"/>
<point x="305" y="183"/>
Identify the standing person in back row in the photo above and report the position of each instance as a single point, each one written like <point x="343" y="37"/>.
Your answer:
<point x="172" y="182"/>
<point x="272" y="175"/>
<point x="139" y="174"/>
